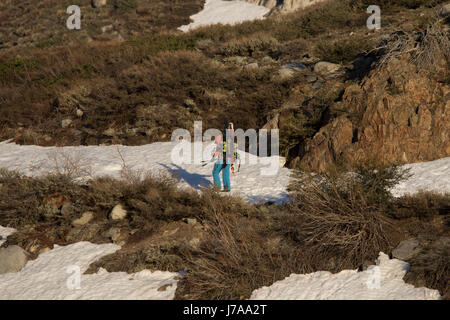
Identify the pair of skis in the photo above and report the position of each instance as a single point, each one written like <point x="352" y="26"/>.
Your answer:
<point x="205" y="162"/>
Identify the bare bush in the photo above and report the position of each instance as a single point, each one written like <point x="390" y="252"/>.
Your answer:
<point x="236" y="259"/>
<point x="427" y="49"/>
<point x="68" y="164"/>
<point x="333" y="220"/>
<point x="432" y="47"/>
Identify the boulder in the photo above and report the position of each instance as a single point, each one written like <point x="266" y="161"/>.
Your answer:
<point x="84" y="219"/>
<point x="445" y="10"/>
<point x="98" y="3"/>
<point x="406" y="249"/>
<point x="294" y="66"/>
<point x="191" y="221"/>
<point x="252" y="66"/>
<point x="110" y="132"/>
<point x="118" y="213"/>
<point x="284" y="74"/>
<point x="327" y="68"/>
<point x="107" y="28"/>
<point x="65" y="123"/>
<point x="12" y="259"/>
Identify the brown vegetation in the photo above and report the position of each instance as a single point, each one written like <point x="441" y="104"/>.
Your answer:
<point x="333" y="222"/>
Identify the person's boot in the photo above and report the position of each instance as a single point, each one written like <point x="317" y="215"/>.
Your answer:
<point x="225" y="189"/>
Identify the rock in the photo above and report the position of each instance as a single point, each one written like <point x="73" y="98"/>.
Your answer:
<point x="110" y="132"/>
<point x="287" y="71"/>
<point x="98" y="3"/>
<point x="267" y="60"/>
<point x="327" y="68"/>
<point x="107" y="28"/>
<point x="318" y="84"/>
<point x="406" y="249"/>
<point x="12" y="259"/>
<point x="445" y="10"/>
<point x="66" y="122"/>
<point x="113" y="234"/>
<point x="328" y="143"/>
<point x="194" y="242"/>
<point x="118" y="213"/>
<point x="284" y="74"/>
<point x="311" y="79"/>
<point x="190" y="103"/>
<point x="116" y="36"/>
<point x="252" y="66"/>
<point x="191" y="221"/>
<point x="294" y="66"/>
<point x="67" y="209"/>
<point x="84" y="219"/>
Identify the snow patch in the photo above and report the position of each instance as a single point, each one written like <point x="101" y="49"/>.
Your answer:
<point x="426" y="176"/>
<point x="156" y="157"/>
<point x="349" y="285"/>
<point x="52" y="276"/>
<point x="225" y="12"/>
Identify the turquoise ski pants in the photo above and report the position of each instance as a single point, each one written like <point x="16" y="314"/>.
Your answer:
<point x="225" y="175"/>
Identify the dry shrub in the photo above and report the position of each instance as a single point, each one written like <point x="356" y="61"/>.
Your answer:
<point x="432" y="47"/>
<point x="235" y="259"/>
<point x="336" y="220"/>
<point x="69" y="164"/>
<point x="428" y="49"/>
<point x="422" y="205"/>
<point x="21" y="197"/>
<point x="343" y="51"/>
<point x="249" y="46"/>
<point x="431" y="267"/>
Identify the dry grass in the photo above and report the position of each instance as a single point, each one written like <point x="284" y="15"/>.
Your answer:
<point x="337" y="220"/>
<point x="237" y="258"/>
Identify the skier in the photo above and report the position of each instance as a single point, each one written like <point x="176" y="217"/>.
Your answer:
<point x="225" y="161"/>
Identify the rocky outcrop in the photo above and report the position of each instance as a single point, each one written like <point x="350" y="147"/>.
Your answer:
<point x="398" y="115"/>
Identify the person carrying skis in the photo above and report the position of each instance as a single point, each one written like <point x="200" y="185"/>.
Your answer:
<point x="225" y="159"/>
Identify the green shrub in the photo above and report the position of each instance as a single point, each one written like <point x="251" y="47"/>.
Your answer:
<point x="125" y="4"/>
<point x="343" y="51"/>
<point x="249" y="46"/>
